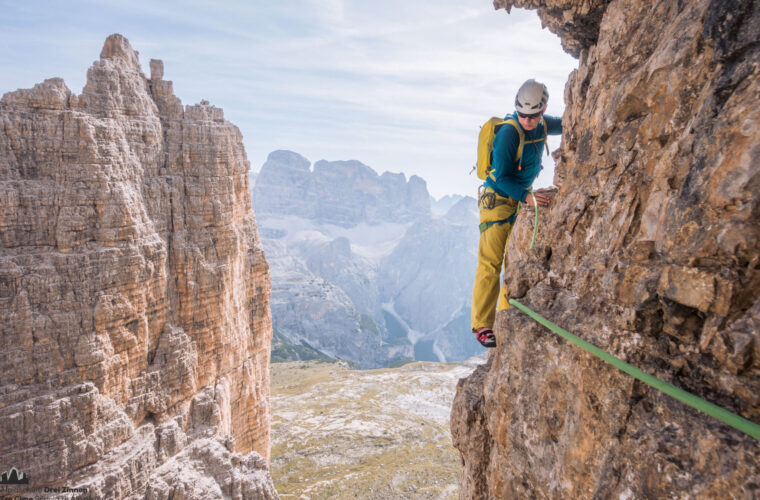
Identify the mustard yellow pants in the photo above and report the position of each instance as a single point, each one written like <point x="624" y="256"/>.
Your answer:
<point x="491" y="255"/>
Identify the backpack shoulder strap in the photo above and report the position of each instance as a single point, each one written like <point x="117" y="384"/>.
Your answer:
<point x="520" y="132"/>
<point x="544" y="139"/>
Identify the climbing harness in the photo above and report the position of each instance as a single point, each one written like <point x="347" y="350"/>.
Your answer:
<point x="725" y="416"/>
<point x="509" y="220"/>
<point x="488" y="200"/>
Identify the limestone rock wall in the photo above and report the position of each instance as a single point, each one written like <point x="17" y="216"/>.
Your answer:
<point x="134" y="294"/>
<point x="651" y="250"/>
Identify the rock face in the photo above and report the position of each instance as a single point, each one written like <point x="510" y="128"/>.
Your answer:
<point x="651" y="252"/>
<point x="134" y="291"/>
<point x="316" y="314"/>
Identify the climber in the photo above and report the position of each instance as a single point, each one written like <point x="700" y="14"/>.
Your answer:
<point x="516" y="162"/>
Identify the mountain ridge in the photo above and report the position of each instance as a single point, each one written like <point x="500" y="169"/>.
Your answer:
<point x="360" y="252"/>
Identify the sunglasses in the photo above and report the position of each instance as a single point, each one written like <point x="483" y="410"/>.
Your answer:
<point x="530" y="117"/>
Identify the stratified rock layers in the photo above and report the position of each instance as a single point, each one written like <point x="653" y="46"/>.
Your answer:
<point x="134" y="294"/>
<point x="651" y="251"/>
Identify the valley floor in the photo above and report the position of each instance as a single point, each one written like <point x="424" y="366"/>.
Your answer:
<point x="342" y="433"/>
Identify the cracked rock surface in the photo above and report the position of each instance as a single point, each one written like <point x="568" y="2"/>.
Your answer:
<point x="134" y="315"/>
<point x="651" y="251"/>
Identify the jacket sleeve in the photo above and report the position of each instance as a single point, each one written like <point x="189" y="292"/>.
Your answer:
<point x="553" y="125"/>
<point x="504" y="150"/>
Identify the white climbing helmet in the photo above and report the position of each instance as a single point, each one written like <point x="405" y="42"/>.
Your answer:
<point x="531" y="98"/>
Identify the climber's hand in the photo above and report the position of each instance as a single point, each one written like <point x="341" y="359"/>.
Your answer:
<point x="541" y="198"/>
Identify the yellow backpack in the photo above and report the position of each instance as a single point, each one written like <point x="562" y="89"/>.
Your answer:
<point x="485" y="143"/>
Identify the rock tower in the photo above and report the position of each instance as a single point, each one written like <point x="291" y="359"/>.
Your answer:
<point x="134" y="294"/>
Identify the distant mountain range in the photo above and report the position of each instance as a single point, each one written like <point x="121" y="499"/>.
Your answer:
<point x="365" y="267"/>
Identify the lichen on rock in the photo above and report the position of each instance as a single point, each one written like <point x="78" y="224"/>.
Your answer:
<point x="650" y="251"/>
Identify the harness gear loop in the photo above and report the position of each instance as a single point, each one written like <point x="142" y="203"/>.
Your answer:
<point x="488" y="201"/>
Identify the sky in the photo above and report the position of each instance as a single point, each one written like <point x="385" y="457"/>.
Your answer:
<point x="401" y="86"/>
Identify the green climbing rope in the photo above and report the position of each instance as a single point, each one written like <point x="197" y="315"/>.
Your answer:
<point x="535" y="223"/>
<point x="688" y="398"/>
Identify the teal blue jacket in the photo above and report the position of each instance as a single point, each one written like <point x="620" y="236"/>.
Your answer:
<point x="510" y="181"/>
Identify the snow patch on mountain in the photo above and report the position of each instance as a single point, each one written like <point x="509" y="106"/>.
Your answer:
<point x="373" y="241"/>
<point x="361" y="270"/>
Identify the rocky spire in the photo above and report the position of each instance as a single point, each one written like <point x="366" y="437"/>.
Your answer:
<point x="118" y="47"/>
<point x="134" y="293"/>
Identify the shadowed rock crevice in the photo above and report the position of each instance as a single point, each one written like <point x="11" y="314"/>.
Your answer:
<point x="654" y="252"/>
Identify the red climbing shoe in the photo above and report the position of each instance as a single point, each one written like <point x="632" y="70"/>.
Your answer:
<point x="486" y="337"/>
